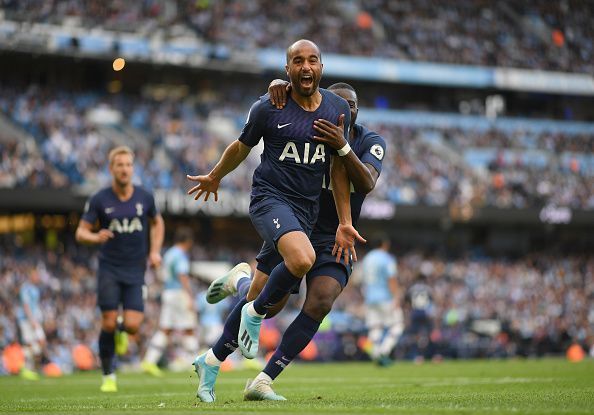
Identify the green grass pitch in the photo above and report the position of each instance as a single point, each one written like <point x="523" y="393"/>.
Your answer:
<point x="549" y="386"/>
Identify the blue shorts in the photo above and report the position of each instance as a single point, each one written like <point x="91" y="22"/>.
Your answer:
<point x="117" y="286"/>
<point x="274" y="217"/>
<point x="325" y="264"/>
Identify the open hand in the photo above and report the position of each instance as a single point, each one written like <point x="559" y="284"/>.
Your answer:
<point x="330" y="134"/>
<point x="346" y="236"/>
<point x="206" y="185"/>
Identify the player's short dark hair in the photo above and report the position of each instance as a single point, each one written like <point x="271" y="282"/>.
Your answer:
<point x="379" y="238"/>
<point x="183" y="235"/>
<point x="341" y="85"/>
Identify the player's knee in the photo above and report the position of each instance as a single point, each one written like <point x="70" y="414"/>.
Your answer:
<point x="301" y="262"/>
<point x="108" y="325"/>
<point x="318" y="307"/>
<point x="131" y="328"/>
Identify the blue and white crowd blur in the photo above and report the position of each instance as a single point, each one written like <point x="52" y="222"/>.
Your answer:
<point x="172" y="137"/>
<point x="540" y="303"/>
<point x="477" y="32"/>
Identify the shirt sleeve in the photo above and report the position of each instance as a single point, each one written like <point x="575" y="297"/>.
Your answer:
<point x="91" y="210"/>
<point x="392" y="267"/>
<point x="374" y="151"/>
<point x="152" y="210"/>
<point x="253" y="130"/>
<point x="183" y="267"/>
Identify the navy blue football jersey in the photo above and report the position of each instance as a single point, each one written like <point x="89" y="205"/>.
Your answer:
<point x="370" y="148"/>
<point x="293" y="164"/>
<point x="129" y="221"/>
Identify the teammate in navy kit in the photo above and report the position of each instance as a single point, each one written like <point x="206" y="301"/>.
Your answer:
<point x="285" y="194"/>
<point x="124" y="213"/>
<point x="327" y="278"/>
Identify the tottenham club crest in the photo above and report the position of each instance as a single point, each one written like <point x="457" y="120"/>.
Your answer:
<point x="139" y="209"/>
<point x="377" y="151"/>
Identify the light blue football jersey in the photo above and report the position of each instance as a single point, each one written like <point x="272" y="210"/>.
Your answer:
<point x="30" y="295"/>
<point x="378" y="268"/>
<point x="175" y="263"/>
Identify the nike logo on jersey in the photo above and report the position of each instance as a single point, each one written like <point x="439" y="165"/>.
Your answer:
<point x="279" y="126"/>
<point x="109" y="210"/>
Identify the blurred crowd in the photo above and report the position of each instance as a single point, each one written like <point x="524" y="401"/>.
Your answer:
<point x="173" y="137"/>
<point x="539" y="304"/>
<point x="549" y="35"/>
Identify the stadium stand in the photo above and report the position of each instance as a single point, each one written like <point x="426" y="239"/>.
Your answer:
<point x="504" y="168"/>
<point x="538" y="304"/>
<point x="542" y="34"/>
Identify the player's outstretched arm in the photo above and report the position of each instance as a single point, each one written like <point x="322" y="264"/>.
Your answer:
<point x="84" y="234"/>
<point x="232" y="157"/>
<point x="363" y="176"/>
<point x="346" y="234"/>
<point x="157" y="235"/>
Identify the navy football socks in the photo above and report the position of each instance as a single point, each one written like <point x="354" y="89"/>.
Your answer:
<point x="106" y="351"/>
<point x="243" y="286"/>
<point x="227" y="343"/>
<point x="279" y="284"/>
<point x="296" y="338"/>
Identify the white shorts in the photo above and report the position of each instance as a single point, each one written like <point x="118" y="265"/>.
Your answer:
<point x="384" y="315"/>
<point x="31" y="335"/>
<point x="176" y="312"/>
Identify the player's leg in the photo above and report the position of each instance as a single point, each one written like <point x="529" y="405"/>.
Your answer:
<point x="159" y="341"/>
<point x="133" y="305"/>
<point x="375" y="328"/>
<point x="132" y="296"/>
<point x="322" y="291"/>
<point x="298" y="258"/>
<point x="108" y="299"/>
<point x="30" y="350"/>
<point x="228" y="284"/>
<point x="207" y="364"/>
<point x="394" y="326"/>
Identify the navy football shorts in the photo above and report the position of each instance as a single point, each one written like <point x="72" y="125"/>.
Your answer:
<point x="117" y="286"/>
<point x="325" y="264"/>
<point x="273" y="218"/>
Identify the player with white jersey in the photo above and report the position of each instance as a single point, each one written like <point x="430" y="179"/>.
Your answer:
<point x="177" y="304"/>
<point x="30" y="322"/>
<point x="384" y="317"/>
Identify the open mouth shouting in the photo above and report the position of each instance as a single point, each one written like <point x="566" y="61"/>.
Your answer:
<point x="306" y="80"/>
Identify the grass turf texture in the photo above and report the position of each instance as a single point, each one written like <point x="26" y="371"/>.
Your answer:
<point x="546" y="386"/>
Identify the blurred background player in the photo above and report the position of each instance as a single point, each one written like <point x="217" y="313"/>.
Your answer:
<point x="383" y="314"/>
<point x="30" y="322"/>
<point x="177" y="304"/>
<point x="419" y="300"/>
<point x="127" y="215"/>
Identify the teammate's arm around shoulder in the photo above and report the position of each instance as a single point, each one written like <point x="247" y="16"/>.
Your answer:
<point x="346" y="234"/>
